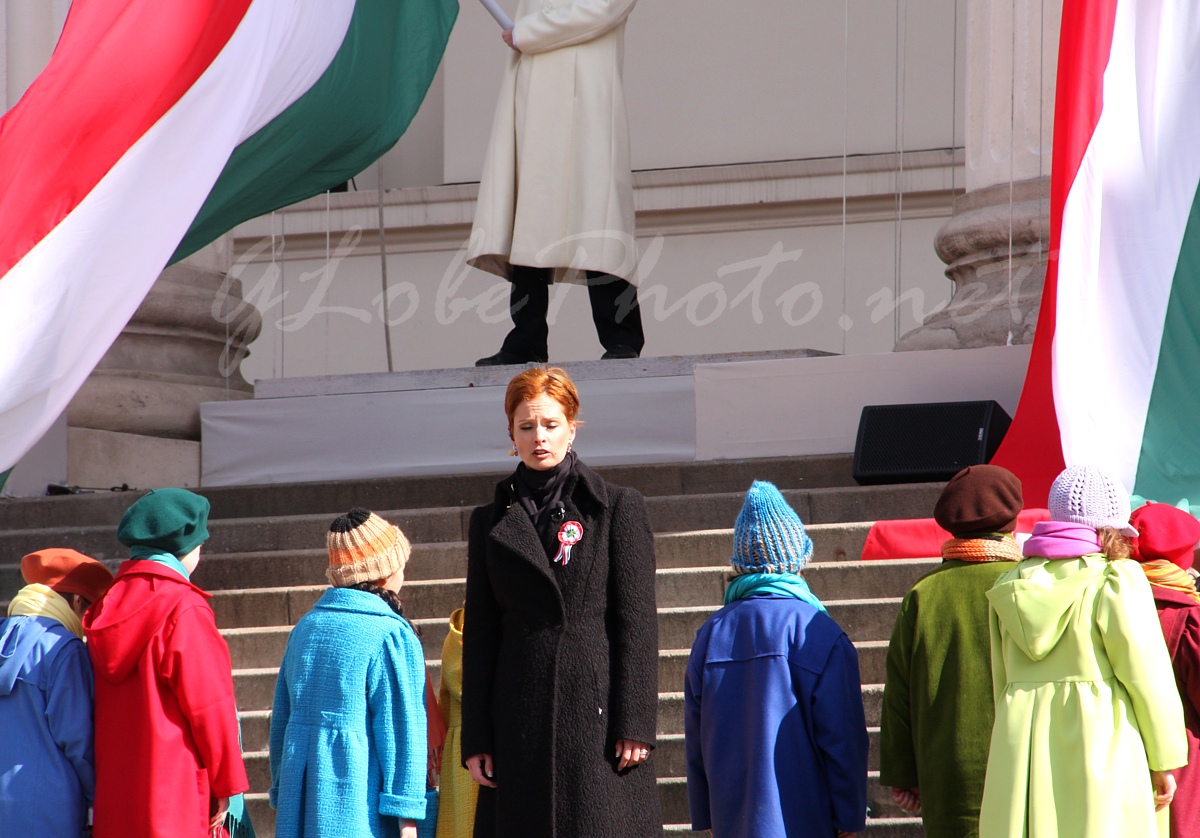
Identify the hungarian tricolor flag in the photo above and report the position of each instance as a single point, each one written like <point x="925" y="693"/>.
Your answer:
<point x="1114" y="377"/>
<point x="159" y="125"/>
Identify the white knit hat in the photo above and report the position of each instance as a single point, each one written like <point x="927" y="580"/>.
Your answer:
<point x="1086" y="495"/>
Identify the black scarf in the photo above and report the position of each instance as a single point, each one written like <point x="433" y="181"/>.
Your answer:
<point x="540" y="493"/>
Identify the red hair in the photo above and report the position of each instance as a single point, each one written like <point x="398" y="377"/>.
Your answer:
<point x="538" y="381"/>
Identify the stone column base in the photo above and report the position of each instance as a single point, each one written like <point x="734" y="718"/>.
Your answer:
<point x="995" y="246"/>
<point x="103" y="459"/>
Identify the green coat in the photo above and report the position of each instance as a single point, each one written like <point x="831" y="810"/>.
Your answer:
<point x="937" y="703"/>
<point x="1086" y="703"/>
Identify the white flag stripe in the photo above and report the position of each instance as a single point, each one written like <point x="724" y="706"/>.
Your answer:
<point x="1123" y="224"/>
<point x="316" y="30"/>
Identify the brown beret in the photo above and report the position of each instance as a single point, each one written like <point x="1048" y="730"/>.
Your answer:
<point x="979" y="499"/>
<point x="67" y="572"/>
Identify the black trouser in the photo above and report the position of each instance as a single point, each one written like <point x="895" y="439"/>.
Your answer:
<point x="615" y="312"/>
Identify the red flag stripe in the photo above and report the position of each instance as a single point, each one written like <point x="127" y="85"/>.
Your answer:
<point x="1032" y="449"/>
<point x="117" y="69"/>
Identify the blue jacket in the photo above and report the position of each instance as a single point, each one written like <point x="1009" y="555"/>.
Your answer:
<point x="348" y="746"/>
<point x="46" y="770"/>
<point x="776" y="737"/>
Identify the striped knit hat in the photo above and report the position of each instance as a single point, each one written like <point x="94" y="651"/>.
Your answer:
<point x="364" y="548"/>
<point x="768" y="536"/>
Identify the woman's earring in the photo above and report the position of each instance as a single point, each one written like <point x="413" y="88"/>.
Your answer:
<point x="512" y="452"/>
<point x="569" y="447"/>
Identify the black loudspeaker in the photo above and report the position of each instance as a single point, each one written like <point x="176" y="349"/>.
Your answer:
<point x="917" y="443"/>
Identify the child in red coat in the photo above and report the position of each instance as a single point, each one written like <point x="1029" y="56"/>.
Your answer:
<point x="167" y="755"/>
<point x="1166" y="538"/>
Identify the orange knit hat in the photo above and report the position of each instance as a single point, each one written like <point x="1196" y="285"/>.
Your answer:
<point x="364" y="548"/>
<point x="66" y="571"/>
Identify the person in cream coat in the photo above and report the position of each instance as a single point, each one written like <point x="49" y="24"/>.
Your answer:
<point x="556" y="196"/>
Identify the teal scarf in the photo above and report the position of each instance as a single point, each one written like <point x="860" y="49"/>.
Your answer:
<point x="773" y="584"/>
<point x="151" y="555"/>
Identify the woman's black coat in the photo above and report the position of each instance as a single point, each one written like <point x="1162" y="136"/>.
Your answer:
<point x="561" y="662"/>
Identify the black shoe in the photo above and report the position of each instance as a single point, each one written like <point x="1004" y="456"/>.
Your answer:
<point x="504" y="357"/>
<point x="619" y="352"/>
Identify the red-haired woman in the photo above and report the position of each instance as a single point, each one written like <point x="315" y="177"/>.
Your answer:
<point x="560" y="641"/>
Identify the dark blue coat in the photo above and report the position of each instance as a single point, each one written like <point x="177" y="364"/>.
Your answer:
<point x="46" y="769"/>
<point x="775" y="732"/>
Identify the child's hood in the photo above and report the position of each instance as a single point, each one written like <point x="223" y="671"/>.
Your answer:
<point x="137" y="608"/>
<point x="1035" y="602"/>
<point x="19" y="637"/>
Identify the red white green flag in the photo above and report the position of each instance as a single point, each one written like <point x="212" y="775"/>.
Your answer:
<point x="1113" y="377"/>
<point x="156" y="127"/>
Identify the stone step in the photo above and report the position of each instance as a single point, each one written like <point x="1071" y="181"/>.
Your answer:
<point x="448" y="560"/>
<point x="672" y="793"/>
<point x="255" y="688"/>
<point x="862" y="619"/>
<point x="669" y="756"/>
<point x="104" y="508"/>
<point x="675" y="588"/>
<point x="876" y="828"/>
<point x="678" y="513"/>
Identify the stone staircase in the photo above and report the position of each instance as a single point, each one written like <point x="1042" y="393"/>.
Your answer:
<point x="265" y="567"/>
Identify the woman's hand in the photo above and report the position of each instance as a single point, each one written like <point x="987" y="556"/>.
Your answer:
<point x="408" y="829"/>
<point x="1164" y="789"/>
<point x="480" y="767"/>
<point x="909" y="800"/>
<point x="507" y="35"/>
<point x="630" y="752"/>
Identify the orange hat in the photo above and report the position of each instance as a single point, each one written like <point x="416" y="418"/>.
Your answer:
<point x="364" y="548"/>
<point x="67" y="572"/>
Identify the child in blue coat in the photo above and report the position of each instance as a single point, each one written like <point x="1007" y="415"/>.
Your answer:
<point x="47" y="772"/>
<point x="348" y="741"/>
<point x="775" y="733"/>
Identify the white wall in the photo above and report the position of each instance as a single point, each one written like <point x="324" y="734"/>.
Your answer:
<point x="710" y="82"/>
<point x="27" y="37"/>
<point x="330" y="322"/>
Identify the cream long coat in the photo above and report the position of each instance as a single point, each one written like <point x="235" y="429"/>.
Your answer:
<point x="557" y="190"/>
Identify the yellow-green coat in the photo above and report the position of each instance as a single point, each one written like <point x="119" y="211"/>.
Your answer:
<point x="458" y="792"/>
<point x="1086" y="703"/>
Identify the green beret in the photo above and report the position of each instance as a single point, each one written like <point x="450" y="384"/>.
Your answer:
<point x="172" y="520"/>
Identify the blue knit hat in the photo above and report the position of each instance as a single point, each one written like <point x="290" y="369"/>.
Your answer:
<point x="768" y="536"/>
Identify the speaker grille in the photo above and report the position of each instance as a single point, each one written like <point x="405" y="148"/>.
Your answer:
<point x="910" y="443"/>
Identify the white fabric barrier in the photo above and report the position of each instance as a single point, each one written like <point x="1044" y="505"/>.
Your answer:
<point x="802" y="406"/>
<point x="440" y="431"/>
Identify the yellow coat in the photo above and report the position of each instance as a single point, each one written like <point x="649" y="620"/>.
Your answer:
<point x="557" y="190"/>
<point x="457" y="792"/>
<point x="1086" y="703"/>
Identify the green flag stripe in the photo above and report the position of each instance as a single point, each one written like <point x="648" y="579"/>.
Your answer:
<point x="355" y="112"/>
<point x="1169" y="461"/>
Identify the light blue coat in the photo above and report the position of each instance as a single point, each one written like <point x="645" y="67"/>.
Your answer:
<point x="348" y="742"/>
